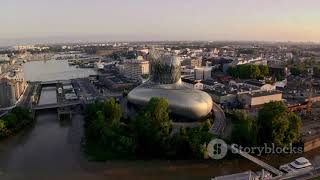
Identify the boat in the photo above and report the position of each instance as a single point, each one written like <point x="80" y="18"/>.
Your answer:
<point x="300" y="165"/>
<point x="248" y="175"/>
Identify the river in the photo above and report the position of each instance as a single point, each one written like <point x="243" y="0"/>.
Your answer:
<point x="48" y="96"/>
<point x="53" y="70"/>
<point x="51" y="150"/>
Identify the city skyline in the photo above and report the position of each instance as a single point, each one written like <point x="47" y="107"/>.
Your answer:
<point x="142" y="20"/>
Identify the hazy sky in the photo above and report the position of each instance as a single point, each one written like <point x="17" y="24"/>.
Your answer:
<point x="296" y="20"/>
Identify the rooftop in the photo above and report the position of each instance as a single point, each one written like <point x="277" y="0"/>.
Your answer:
<point x="255" y="83"/>
<point x="222" y="89"/>
<point x="263" y="93"/>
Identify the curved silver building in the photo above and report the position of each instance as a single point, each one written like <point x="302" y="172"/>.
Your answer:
<point x="165" y="82"/>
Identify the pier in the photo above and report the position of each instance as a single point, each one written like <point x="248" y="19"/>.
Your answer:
<point x="64" y="95"/>
<point x="257" y="161"/>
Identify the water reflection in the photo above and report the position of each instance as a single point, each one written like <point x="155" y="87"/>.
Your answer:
<point x="48" y="96"/>
<point x="53" y="70"/>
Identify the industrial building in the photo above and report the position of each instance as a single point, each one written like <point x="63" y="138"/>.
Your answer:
<point x="242" y="94"/>
<point x="12" y="86"/>
<point x="134" y="68"/>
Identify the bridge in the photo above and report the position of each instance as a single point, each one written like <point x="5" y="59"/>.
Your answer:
<point x="56" y="105"/>
<point x="53" y="83"/>
<point x="256" y="161"/>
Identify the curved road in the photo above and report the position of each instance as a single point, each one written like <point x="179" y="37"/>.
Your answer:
<point x="220" y="121"/>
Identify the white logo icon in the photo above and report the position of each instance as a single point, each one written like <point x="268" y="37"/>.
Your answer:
<point x="217" y="149"/>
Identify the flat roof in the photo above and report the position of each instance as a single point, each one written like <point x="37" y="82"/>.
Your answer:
<point x="264" y="93"/>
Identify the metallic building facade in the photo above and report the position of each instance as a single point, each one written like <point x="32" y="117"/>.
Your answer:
<point x="165" y="82"/>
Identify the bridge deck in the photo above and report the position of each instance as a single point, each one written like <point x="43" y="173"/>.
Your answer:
<point x="51" y="106"/>
<point x="257" y="161"/>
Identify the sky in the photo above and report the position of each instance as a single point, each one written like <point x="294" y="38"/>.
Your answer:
<point x="262" y="20"/>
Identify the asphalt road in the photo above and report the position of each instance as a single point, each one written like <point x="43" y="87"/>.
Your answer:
<point x="220" y="121"/>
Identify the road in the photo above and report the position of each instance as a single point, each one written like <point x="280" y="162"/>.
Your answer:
<point x="220" y="121"/>
<point x="26" y="99"/>
<point x="218" y="128"/>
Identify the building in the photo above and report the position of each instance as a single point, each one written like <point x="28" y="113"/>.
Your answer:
<point x="4" y="58"/>
<point x="193" y="84"/>
<point x="192" y="62"/>
<point x="261" y="85"/>
<point x="241" y="94"/>
<point x="225" y="94"/>
<point x="12" y="87"/>
<point x="278" y="72"/>
<point x="3" y="67"/>
<point x="115" y="82"/>
<point x="257" y="61"/>
<point x="202" y="73"/>
<point x="209" y="83"/>
<point x="258" y="98"/>
<point x="134" y="68"/>
<point x="7" y="94"/>
<point x="165" y="82"/>
<point x="69" y="92"/>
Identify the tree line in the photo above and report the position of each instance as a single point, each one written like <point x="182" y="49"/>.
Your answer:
<point x="274" y="124"/>
<point x="14" y="121"/>
<point x="248" y="71"/>
<point x="147" y="135"/>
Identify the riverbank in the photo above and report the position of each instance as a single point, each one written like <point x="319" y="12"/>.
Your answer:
<point x="51" y="150"/>
<point x="16" y="120"/>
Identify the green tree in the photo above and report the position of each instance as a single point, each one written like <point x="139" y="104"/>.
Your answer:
<point x="276" y="124"/>
<point x="112" y="110"/>
<point x="244" y="71"/>
<point x="23" y="115"/>
<point x="247" y="51"/>
<point x="152" y="128"/>
<point x="180" y="145"/>
<point x="147" y="135"/>
<point x="10" y="120"/>
<point x="316" y="71"/>
<point x="190" y="143"/>
<point x="105" y="131"/>
<point x="233" y="71"/>
<point x="14" y="121"/>
<point x="3" y="129"/>
<point x="264" y="70"/>
<point x="254" y="71"/>
<point x="199" y="138"/>
<point x="249" y="71"/>
<point x="244" y="130"/>
<point x="299" y="69"/>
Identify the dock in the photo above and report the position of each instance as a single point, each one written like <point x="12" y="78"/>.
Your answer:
<point x="257" y="161"/>
<point x="66" y="101"/>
